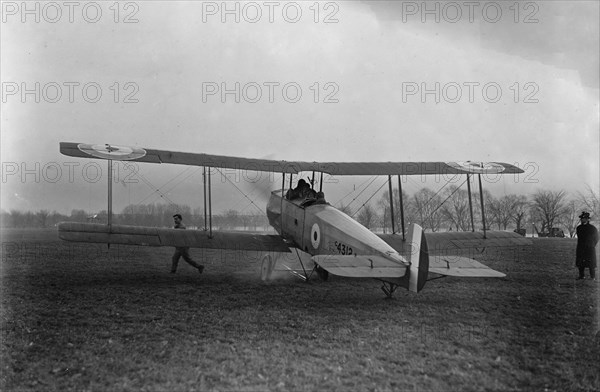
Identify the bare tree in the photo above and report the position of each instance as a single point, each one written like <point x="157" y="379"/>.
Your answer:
<point x="56" y="217"/>
<point x="520" y="210"/>
<point x="367" y="216"/>
<point x="424" y="209"/>
<point x="78" y="215"/>
<point x="496" y="211"/>
<point x="153" y="214"/>
<point x="385" y="222"/>
<point x="456" y="208"/>
<point x="506" y="209"/>
<point x="16" y="218"/>
<point x="42" y="217"/>
<point x="548" y="206"/>
<point x="589" y="201"/>
<point x="231" y="219"/>
<point x="384" y="205"/>
<point x="570" y="218"/>
<point x="345" y="209"/>
<point x="5" y="219"/>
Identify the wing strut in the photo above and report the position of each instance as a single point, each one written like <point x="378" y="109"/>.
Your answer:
<point x="206" y="173"/>
<point x="470" y="202"/>
<point x="321" y="183"/>
<point x="401" y="208"/>
<point x="482" y="208"/>
<point x="282" y="197"/>
<point x="109" y="221"/>
<point x="204" y="187"/>
<point x="391" y="203"/>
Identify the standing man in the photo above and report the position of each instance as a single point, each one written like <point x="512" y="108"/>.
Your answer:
<point x="587" y="238"/>
<point x="183" y="251"/>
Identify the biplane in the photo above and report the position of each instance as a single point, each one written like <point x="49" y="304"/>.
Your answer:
<point x="324" y="239"/>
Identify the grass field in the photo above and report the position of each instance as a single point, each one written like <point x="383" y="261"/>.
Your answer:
<point x="81" y="317"/>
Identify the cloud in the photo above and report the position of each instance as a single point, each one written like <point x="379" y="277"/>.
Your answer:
<point x="563" y="34"/>
<point x="365" y="63"/>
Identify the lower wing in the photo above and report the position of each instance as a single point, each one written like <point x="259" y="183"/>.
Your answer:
<point x="446" y="250"/>
<point x="360" y="266"/>
<point x="154" y="236"/>
<point x="461" y="266"/>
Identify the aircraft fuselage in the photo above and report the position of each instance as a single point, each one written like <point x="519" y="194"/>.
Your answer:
<point x="321" y="229"/>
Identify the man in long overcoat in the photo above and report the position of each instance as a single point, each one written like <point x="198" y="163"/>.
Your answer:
<point x="587" y="238"/>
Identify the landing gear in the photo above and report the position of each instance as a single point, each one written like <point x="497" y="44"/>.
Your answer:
<point x="388" y="288"/>
<point x="267" y="267"/>
<point x="322" y="273"/>
<point x="308" y="267"/>
<point x="269" y="261"/>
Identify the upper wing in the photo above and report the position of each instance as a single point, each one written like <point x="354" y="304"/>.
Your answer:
<point x="154" y="236"/>
<point x="106" y="151"/>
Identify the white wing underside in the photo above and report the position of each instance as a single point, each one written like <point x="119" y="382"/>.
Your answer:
<point x="461" y="266"/>
<point x="360" y="266"/>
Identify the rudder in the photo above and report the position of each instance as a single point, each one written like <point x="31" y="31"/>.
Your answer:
<point x="418" y="257"/>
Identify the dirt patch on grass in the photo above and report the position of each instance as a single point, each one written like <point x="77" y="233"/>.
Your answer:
<point x="84" y="317"/>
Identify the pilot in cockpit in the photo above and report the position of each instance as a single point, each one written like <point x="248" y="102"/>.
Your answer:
<point x="302" y="191"/>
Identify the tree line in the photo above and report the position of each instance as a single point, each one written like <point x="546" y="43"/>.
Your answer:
<point x="451" y="209"/>
<point x="444" y="210"/>
<point x="154" y="215"/>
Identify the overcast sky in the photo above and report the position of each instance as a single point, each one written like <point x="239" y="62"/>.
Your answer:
<point x="328" y="81"/>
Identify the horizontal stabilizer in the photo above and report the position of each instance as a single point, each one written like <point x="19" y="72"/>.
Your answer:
<point x="155" y="236"/>
<point x="360" y="266"/>
<point x="461" y="266"/>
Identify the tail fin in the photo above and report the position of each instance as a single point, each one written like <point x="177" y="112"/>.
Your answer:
<point x="418" y="257"/>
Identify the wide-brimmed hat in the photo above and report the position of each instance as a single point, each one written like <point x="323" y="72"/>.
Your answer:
<point x="584" y="215"/>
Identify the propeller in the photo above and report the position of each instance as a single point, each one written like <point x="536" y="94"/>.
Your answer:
<point x="259" y="185"/>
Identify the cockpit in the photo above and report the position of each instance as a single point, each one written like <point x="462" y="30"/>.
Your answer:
<point x="304" y="195"/>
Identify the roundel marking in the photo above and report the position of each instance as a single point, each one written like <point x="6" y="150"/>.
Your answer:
<point x="315" y="236"/>
<point x="108" y="151"/>
<point x="478" y="167"/>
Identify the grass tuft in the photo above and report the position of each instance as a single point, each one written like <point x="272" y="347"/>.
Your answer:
<point x="84" y="317"/>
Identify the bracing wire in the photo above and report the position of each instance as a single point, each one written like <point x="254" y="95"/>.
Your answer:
<point x="163" y="193"/>
<point x="435" y="194"/>
<point x="361" y="192"/>
<point x="349" y="193"/>
<point x="373" y="195"/>
<point x="239" y="190"/>
<point x="155" y="191"/>
<point x="180" y="181"/>
<point x="442" y="203"/>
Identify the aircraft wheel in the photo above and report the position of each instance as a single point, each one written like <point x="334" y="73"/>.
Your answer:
<point x="323" y="274"/>
<point x="267" y="267"/>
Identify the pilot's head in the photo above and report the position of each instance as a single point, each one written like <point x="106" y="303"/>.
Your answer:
<point x="302" y="183"/>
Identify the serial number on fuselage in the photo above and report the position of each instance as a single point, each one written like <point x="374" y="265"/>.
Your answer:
<point x="341" y="248"/>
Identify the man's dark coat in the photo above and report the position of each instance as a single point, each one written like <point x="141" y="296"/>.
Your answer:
<point x="587" y="238"/>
